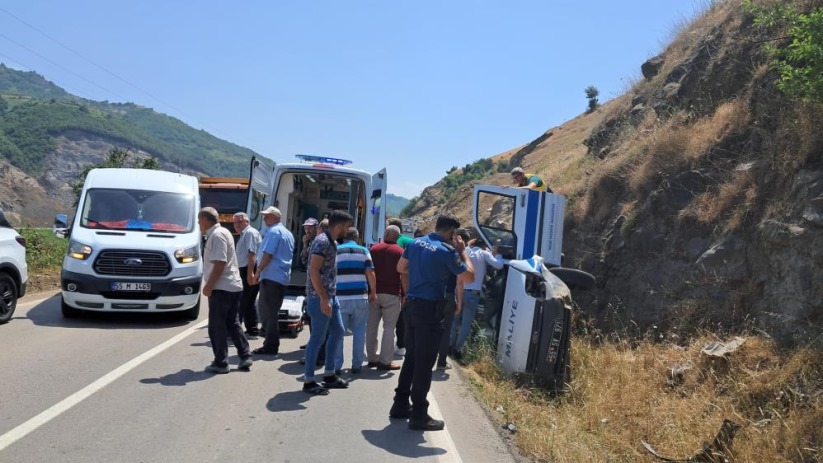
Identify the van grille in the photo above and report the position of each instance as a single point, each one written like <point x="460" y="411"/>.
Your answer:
<point x="140" y="263"/>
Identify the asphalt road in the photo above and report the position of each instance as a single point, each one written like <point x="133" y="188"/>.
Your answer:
<point x="132" y="388"/>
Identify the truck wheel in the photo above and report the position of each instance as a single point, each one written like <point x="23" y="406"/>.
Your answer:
<point x="68" y="311"/>
<point x="293" y="332"/>
<point x="573" y="278"/>
<point x="8" y="297"/>
<point x="192" y="313"/>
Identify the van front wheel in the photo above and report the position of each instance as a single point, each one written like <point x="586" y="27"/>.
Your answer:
<point x="194" y="312"/>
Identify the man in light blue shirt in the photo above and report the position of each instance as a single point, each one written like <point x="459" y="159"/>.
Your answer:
<point x="273" y="273"/>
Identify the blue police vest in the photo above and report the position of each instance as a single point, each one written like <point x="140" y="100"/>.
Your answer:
<point x="431" y="262"/>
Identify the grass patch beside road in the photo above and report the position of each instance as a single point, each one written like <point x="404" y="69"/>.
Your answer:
<point x="44" y="256"/>
<point x="623" y="392"/>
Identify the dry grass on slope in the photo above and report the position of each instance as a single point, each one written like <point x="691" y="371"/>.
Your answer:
<point x="623" y="394"/>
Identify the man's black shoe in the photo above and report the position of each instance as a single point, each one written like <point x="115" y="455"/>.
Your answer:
<point x="400" y="412"/>
<point x="263" y="351"/>
<point x="426" y="424"/>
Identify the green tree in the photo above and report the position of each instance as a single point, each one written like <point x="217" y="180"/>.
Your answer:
<point x="116" y="158"/>
<point x="591" y="94"/>
<point x="800" y="62"/>
<point x="4" y="105"/>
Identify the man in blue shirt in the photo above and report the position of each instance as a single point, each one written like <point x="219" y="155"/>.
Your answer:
<point x="424" y="270"/>
<point x="273" y="273"/>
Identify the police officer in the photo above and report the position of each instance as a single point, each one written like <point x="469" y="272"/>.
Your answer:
<point x="424" y="270"/>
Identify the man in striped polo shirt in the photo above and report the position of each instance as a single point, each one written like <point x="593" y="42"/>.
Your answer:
<point x="356" y="287"/>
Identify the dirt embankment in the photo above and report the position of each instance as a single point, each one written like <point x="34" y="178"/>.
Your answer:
<point x="696" y="198"/>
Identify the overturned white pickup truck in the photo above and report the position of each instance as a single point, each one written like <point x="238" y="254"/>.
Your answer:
<point x="533" y="300"/>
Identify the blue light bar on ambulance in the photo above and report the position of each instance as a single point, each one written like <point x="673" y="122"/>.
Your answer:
<point x="322" y="159"/>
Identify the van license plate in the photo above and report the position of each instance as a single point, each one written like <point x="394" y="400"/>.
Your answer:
<point x="120" y="286"/>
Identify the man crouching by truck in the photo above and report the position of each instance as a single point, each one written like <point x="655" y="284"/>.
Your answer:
<point x="222" y="286"/>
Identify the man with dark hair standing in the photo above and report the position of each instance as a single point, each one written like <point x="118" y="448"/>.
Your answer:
<point x="273" y="273"/>
<point x="425" y="269"/>
<point x="222" y="286"/>
<point x="246" y="250"/>
<point x="323" y="306"/>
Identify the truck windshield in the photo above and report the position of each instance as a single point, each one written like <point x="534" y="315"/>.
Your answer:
<point x="225" y="201"/>
<point x="144" y="210"/>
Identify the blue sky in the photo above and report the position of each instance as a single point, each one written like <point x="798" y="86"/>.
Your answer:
<point x="416" y="87"/>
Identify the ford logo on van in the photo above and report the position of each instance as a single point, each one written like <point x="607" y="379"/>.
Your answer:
<point x="133" y="261"/>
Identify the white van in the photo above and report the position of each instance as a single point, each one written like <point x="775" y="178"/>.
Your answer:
<point x="135" y="244"/>
<point x="312" y="188"/>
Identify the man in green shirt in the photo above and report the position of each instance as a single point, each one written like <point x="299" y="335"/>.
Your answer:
<point x="531" y="181"/>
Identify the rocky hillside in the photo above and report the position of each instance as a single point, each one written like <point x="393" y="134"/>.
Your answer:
<point x="696" y="199"/>
<point x="48" y="136"/>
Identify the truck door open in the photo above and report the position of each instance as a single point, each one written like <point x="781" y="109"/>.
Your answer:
<point x="376" y="213"/>
<point x="521" y="222"/>
<point x="261" y="183"/>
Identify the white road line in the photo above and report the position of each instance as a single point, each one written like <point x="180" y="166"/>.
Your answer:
<point x="55" y="410"/>
<point x="440" y="439"/>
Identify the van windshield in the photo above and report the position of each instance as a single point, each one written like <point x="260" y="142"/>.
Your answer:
<point x="144" y="210"/>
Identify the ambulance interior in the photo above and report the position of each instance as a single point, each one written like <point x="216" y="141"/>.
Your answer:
<point x="304" y="195"/>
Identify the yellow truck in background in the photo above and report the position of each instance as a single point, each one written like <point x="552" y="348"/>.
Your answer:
<point x="226" y="194"/>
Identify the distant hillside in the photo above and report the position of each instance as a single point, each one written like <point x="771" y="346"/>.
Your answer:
<point x="696" y="198"/>
<point x="51" y="135"/>
<point x="395" y="204"/>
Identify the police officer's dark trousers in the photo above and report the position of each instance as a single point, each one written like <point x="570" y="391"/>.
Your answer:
<point x="424" y="330"/>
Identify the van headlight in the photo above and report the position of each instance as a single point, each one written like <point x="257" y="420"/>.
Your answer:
<point x="78" y="250"/>
<point x="187" y="256"/>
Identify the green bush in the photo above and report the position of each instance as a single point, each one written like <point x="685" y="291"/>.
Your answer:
<point x="800" y="62"/>
<point x="44" y="250"/>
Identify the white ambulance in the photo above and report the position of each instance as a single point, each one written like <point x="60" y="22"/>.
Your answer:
<point x="311" y="188"/>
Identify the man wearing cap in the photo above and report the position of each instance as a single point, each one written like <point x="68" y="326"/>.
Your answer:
<point x="530" y="181"/>
<point x="246" y="250"/>
<point x="273" y="273"/>
<point x="222" y="285"/>
<point x="309" y="232"/>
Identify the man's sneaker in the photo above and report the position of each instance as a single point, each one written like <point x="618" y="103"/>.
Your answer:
<point x="401" y="351"/>
<point x="245" y="364"/>
<point x="218" y="370"/>
<point x="372" y="364"/>
<point x="252" y="335"/>
<point x="355" y="370"/>
<point x="444" y="366"/>
<point x="426" y="424"/>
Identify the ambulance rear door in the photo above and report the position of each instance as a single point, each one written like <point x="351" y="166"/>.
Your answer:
<point x="376" y="216"/>
<point x="261" y="189"/>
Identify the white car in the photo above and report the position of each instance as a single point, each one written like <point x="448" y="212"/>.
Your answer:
<point x="13" y="269"/>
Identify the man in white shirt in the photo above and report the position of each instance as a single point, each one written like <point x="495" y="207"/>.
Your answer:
<point x="222" y="285"/>
<point x="480" y="258"/>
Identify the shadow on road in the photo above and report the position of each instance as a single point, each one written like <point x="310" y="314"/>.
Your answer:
<point x="288" y="401"/>
<point x="396" y="439"/>
<point x="48" y="313"/>
<point x="181" y="378"/>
